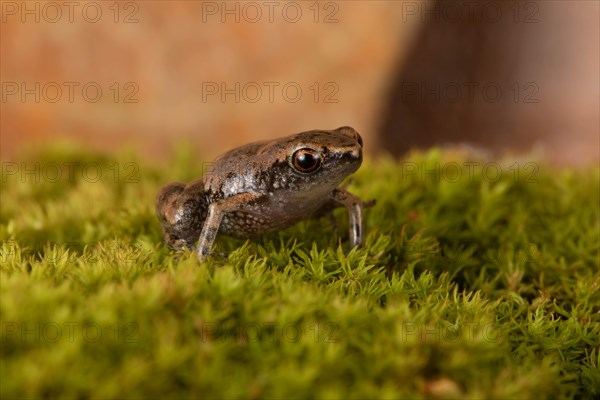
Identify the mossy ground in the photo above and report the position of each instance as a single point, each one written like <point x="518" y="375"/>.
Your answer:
<point x="468" y="286"/>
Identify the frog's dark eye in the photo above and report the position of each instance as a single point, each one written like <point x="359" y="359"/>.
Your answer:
<point x="306" y="160"/>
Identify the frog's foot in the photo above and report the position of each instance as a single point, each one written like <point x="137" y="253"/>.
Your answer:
<point x="354" y="205"/>
<point x="181" y="246"/>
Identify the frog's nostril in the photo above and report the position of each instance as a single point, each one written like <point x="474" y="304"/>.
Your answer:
<point x="353" y="154"/>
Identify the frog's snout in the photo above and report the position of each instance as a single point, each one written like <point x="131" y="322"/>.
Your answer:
<point x="351" y="133"/>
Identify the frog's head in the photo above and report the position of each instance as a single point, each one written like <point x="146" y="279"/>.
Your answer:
<point x="317" y="159"/>
<point x="336" y="152"/>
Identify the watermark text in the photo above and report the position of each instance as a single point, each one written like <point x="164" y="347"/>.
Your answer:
<point x="254" y="92"/>
<point x="269" y="332"/>
<point x="69" y="172"/>
<point x="253" y="12"/>
<point x="519" y="12"/>
<point x="69" y="92"/>
<point x="71" y="331"/>
<point x="52" y="12"/>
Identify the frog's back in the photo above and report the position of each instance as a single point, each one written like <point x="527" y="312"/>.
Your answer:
<point x="234" y="172"/>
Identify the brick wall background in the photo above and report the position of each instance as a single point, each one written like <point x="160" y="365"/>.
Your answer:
<point x="146" y="74"/>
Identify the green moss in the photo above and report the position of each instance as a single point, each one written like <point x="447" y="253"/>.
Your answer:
<point x="468" y="286"/>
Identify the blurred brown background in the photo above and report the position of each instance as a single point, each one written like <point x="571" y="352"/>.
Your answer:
<point x="502" y="75"/>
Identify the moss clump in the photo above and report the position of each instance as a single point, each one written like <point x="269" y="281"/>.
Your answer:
<point x="470" y="285"/>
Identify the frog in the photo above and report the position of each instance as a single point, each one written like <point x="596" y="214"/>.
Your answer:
<point x="264" y="187"/>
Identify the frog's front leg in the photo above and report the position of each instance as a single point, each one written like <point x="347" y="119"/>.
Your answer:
<point x="216" y="211"/>
<point x="354" y="205"/>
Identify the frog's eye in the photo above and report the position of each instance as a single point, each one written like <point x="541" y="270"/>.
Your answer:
<point x="306" y="160"/>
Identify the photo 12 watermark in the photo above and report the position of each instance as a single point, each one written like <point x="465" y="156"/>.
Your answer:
<point x="69" y="172"/>
<point x="120" y="252"/>
<point x="464" y="252"/>
<point x="252" y="12"/>
<point x="437" y="333"/>
<point x="517" y="12"/>
<point x="470" y="92"/>
<point x="271" y="92"/>
<point x="68" y="331"/>
<point x="469" y="171"/>
<point x="269" y="332"/>
<point x="68" y="92"/>
<point x="52" y="12"/>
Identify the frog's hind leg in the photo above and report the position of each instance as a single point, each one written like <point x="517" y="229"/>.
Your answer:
<point x="181" y="210"/>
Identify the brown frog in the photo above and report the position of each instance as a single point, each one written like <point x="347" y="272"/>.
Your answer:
<point x="264" y="187"/>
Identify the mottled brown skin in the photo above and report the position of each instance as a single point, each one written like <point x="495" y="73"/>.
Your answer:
<point x="259" y="188"/>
